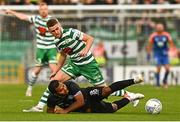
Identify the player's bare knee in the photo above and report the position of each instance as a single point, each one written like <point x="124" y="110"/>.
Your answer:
<point x="57" y="77"/>
<point x="106" y="91"/>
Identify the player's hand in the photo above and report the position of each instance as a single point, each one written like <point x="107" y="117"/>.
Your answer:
<point x="83" y="52"/>
<point x="148" y="57"/>
<point x="7" y="11"/>
<point x="59" y="110"/>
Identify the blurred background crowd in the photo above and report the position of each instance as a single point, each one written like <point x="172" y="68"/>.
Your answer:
<point x="103" y="25"/>
<point x="86" y="2"/>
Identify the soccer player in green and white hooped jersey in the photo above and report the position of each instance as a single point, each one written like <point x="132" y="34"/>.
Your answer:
<point x="75" y="44"/>
<point x="46" y="51"/>
<point x="81" y="61"/>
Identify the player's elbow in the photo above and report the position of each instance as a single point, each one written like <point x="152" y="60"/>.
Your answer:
<point x="81" y="103"/>
<point x="80" y="100"/>
<point x="92" y="39"/>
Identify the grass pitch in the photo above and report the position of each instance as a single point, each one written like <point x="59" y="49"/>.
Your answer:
<point x="13" y="101"/>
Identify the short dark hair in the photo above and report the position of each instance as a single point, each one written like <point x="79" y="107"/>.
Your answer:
<point x="52" y="22"/>
<point x="53" y="85"/>
<point x="42" y="3"/>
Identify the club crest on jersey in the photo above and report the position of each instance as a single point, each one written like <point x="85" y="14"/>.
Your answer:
<point x="164" y="39"/>
<point x="156" y="39"/>
<point x="42" y="30"/>
<point x="67" y="50"/>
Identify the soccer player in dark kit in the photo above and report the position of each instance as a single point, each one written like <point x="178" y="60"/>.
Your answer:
<point x="69" y="97"/>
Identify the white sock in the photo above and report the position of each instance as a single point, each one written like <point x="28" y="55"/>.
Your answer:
<point x="40" y="105"/>
<point x="119" y="93"/>
<point x="32" y="78"/>
<point x="43" y="99"/>
<point x="33" y="74"/>
<point x="29" y="88"/>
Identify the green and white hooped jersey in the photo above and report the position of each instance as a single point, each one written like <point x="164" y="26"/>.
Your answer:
<point x="44" y="39"/>
<point x="71" y="43"/>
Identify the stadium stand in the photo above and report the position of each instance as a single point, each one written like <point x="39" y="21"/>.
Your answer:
<point x="12" y="61"/>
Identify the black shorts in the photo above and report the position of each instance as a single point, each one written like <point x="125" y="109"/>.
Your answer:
<point x="93" y="93"/>
<point x="94" y="100"/>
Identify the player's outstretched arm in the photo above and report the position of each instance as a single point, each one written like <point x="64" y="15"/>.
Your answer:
<point x="79" y="102"/>
<point x="17" y="14"/>
<point x="149" y="47"/>
<point x="61" y="61"/>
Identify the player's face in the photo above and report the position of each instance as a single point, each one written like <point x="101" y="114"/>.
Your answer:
<point x="43" y="11"/>
<point x="62" y="89"/>
<point x="159" y="28"/>
<point x="55" y="30"/>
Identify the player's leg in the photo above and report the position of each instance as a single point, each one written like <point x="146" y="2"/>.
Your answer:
<point x="157" y="75"/>
<point x="165" y="63"/>
<point x="51" y="55"/>
<point x="116" y="105"/>
<point x="92" y="73"/>
<point x="106" y="107"/>
<point x="52" y="58"/>
<point x="118" y="85"/>
<point x="99" y="93"/>
<point x="158" y="62"/>
<point x="167" y="69"/>
<point x="32" y="76"/>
